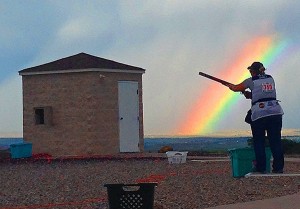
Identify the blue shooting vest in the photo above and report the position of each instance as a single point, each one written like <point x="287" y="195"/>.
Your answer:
<point x="264" y="102"/>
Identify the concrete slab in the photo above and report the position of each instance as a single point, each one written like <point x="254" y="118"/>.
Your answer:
<point x="284" y="202"/>
<point x="248" y="175"/>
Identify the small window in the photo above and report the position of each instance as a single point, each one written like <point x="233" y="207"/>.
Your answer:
<point x="43" y="115"/>
<point x="39" y="116"/>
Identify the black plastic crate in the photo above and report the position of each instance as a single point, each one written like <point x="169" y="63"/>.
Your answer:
<point x="131" y="196"/>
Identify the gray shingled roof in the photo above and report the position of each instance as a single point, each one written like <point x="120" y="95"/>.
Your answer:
<point x="80" y="61"/>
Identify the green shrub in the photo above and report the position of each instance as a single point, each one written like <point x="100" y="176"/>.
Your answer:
<point x="289" y="146"/>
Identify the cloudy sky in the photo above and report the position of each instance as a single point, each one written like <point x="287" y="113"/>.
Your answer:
<point x="173" y="40"/>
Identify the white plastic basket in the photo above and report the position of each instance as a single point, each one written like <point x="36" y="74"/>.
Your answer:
<point x="175" y="157"/>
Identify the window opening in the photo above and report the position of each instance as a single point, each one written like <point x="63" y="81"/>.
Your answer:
<point x="39" y="116"/>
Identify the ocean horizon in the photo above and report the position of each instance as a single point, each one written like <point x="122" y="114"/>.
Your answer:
<point x="224" y="133"/>
<point x="195" y="143"/>
<point x="209" y="143"/>
<point x="217" y="142"/>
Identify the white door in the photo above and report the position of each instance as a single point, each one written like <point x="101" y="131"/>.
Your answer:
<point x="128" y="116"/>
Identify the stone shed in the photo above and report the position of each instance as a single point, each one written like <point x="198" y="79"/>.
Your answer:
<point x="83" y="105"/>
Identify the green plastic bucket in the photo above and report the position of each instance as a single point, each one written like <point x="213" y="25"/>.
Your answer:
<point x="242" y="161"/>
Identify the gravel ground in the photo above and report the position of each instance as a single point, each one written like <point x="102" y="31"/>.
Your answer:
<point x="79" y="183"/>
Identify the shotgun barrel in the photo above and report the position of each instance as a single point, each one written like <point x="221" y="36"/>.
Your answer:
<point x="225" y="83"/>
<point x="214" y="78"/>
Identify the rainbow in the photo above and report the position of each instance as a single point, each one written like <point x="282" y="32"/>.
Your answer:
<point x="212" y="104"/>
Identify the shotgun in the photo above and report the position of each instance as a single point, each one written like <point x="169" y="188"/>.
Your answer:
<point x="225" y="83"/>
<point x="214" y="78"/>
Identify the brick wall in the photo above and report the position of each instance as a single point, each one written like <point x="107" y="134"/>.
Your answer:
<point x="85" y="114"/>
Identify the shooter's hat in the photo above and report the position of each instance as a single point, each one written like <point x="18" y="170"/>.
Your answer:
<point x="255" y="66"/>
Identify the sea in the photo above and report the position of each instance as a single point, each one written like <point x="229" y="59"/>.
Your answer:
<point x="153" y="144"/>
<point x="195" y="143"/>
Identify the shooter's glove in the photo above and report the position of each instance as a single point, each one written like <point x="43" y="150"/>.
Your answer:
<point x="247" y="94"/>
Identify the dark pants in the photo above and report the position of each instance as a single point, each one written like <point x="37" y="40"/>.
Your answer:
<point x="272" y="126"/>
